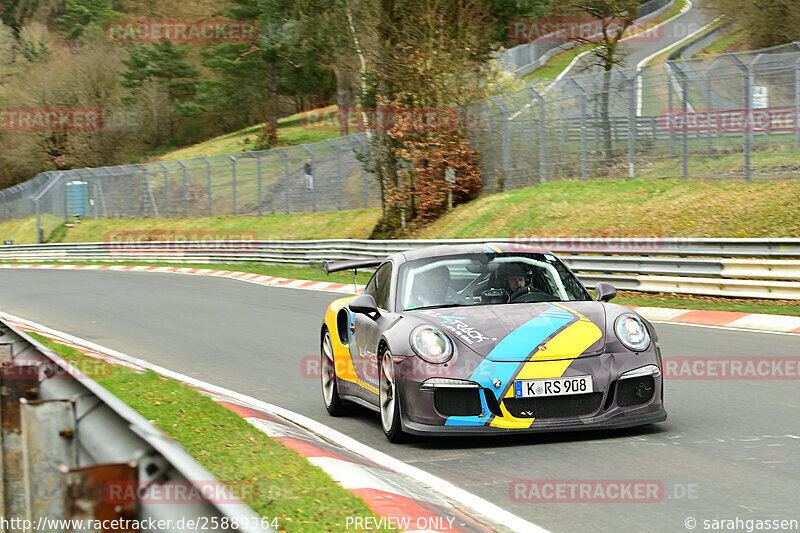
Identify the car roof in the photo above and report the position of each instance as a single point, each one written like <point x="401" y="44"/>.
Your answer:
<point x="444" y="250"/>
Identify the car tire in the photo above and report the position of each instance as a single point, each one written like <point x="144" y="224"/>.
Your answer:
<point x="330" y="384"/>
<point x="389" y="402"/>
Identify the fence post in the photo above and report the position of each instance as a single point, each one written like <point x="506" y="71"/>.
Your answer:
<point x="313" y="178"/>
<point x="709" y="105"/>
<point x="128" y="198"/>
<point x="584" y="149"/>
<point x="285" y="176"/>
<point x="797" y="103"/>
<point x="748" y="106"/>
<point x="233" y="180"/>
<point x="185" y="188"/>
<point x="112" y="186"/>
<point x="364" y="145"/>
<point x="338" y="171"/>
<point x="506" y="147"/>
<point x="684" y="86"/>
<point x="631" y="85"/>
<point x="668" y="65"/>
<point x="257" y="155"/>
<point x="166" y="187"/>
<point x="542" y="136"/>
<point x="208" y="184"/>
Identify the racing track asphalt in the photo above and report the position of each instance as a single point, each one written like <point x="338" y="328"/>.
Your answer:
<point x="639" y="48"/>
<point x="734" y="445"/>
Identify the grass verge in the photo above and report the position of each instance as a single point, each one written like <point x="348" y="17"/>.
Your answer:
<point x="280" y="483"/>
<point x="709" y="303"/>
<point x="23" y="230"/>
<point x="292" y="131"/>
<point x="652" y="208"/>
<point x="355" y="224"/>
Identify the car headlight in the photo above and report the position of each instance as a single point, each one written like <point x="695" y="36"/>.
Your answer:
<point x="632" y="333"/>
<point x="431" y="344"/>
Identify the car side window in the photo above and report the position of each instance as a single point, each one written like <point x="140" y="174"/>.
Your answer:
<point x="380" y="285"/>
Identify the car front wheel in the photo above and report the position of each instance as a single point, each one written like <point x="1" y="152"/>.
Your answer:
<point x="389" y="401"/>
<point x="330" y="387"/>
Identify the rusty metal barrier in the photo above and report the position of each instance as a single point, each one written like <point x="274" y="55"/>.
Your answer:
<point x="65" y="438"/>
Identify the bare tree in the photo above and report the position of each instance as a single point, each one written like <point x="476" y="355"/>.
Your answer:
<point x="611" y="19"/>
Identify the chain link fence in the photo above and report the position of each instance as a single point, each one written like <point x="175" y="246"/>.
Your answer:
<point x="732" y="116"/>
<point x="324" y="176"/>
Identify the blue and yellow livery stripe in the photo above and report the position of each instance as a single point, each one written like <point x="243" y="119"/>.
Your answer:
<point x="491" y="248"/>
<point x="567" y="346"/>
<point x="567" y="333"/>
<point x="519" y="343"/>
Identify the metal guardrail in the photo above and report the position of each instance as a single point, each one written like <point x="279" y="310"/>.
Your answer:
<point x="755" y="268"/>
<point x="65" y="438"/>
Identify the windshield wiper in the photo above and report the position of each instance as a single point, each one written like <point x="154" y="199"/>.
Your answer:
<point x="438" y="306"/>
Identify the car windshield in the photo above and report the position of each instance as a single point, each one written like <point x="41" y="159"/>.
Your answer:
<point x="481" y="279"/>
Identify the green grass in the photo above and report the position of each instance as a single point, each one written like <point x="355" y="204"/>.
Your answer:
<point x="662" y="57"/>
<point x="556" y="64"/>
<point x="276" y="480"/>
<point x="23" y="230"/>
<point x="356" y="224"/>
<point x="291" y="132"/>
<point x="668" y="208"/>
<point x="732" y="42"/>
<point x="710" y="303"/>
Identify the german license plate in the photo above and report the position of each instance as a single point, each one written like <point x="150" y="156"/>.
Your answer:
<point x="540" y="388"/>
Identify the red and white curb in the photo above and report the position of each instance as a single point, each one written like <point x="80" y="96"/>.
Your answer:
<point x="725" y="319"/>
<point x="407" y="498"/>
<point x="250" y="277"/>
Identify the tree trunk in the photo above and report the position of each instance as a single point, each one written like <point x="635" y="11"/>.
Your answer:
<point x="344" y="99"/>
<point x="387" y="163"/>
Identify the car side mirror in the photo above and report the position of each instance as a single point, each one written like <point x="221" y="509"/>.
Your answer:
<point x="365" y="304"/>
<point x="604" y="292"/>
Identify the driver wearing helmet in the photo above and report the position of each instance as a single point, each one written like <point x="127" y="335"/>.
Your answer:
<point x="515" y="278"/>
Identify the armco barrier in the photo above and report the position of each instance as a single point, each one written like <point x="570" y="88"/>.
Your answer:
<point x="66" y="440"/>
<point x="754" y="268"/>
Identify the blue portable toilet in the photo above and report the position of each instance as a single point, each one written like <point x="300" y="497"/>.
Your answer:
<point x="78" y="199"/>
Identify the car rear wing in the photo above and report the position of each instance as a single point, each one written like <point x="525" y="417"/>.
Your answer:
<point x="355" y="264"/>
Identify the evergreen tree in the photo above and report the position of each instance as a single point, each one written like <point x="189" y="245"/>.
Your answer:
<point x="86" y="17"/>
<point x="164" y="63"/>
